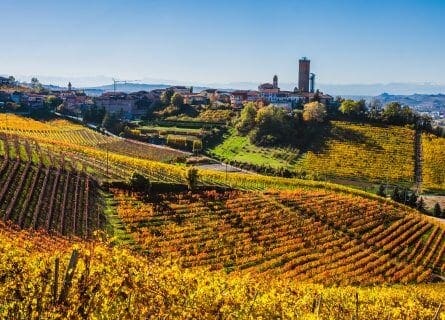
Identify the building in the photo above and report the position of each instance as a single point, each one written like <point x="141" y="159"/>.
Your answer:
<point x="182" y="89"/>
<point x="117" y="102"/>
<point x="303" y="74"/>
<point x="6" y="81"/>
<point x="19" y="97"/>
<point x="307" y="97"/>
<point x="238" y="97"/>
<point x="36" y="101"/>
<point x="195" y="99"/>
<point x="271" y="93"/>
<point x="267" y="88"/>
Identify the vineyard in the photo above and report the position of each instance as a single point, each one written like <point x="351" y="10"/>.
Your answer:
<point x="46" y="277"/>
<point x="55" y="198"/>
<point x="101" y="156"/>
<point x="347" y="151"/>
<point x="64" y="132"/>
<point x="433" y="162"/>
<point x="316" y="236"/>
<point x="364" y="152"/>
<point x="264" y="250"/>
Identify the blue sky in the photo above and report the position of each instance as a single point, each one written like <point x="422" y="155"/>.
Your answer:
<point x="204" y="42"/>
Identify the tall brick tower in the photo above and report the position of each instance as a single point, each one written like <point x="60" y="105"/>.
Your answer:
<point x="275" y="82"/>
<point x="303" y="74"/>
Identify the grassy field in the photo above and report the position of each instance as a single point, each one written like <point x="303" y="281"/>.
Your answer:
<point x="237" y="148"/>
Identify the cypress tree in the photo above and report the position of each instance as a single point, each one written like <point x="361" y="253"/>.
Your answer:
<point x="421" y="205"/>
<point x="381" y="191"/>
<point x="437" y="210"/>
<point x="395" y="194"/>
<point x="412" y="201"/>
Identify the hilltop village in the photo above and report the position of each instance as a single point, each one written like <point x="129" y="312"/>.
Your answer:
<point x="34" y="97"/>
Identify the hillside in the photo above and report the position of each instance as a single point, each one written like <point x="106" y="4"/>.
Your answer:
<point x="102" y="156"/>
<point x="433" y="153"/>
<point x="342" y="150"/>
<point x="242" y="245"/>
<point x="308" y="235"/>
<point x="113" y="283"/>
<point x="53" y="197"/>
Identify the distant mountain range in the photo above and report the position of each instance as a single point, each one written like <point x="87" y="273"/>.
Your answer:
<point x="421" y="102"/>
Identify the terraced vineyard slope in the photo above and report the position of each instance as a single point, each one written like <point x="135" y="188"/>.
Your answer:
<point x="318" y="236"/>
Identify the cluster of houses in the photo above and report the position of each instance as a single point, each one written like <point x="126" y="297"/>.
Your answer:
<point x="28" y="100"/>
<point x="270" y="93"/>
<point x="134" y="105"/>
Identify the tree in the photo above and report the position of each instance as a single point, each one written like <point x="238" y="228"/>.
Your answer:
<point x="404" y="197"/>
<point x="375" y="110"/>
<point x="273" y="126"/>
<point x="412" y="201"/>
<point x="395" y="194"/>
<point x="191" y="177"/>
<point x="437" y="212"/>
<point x="112" y="123"/>
<point x="381" y="191"/>
<point x="177" y="100"/>
<point x="166" y="96"/>
<point x="36" y="85"/>
<point x="139" y="182"/>
<point x="314" y="112"/>
<point x="197" y="146"/>
<point x="421" y="204"/>
<point x="52" y="102"/>
<point x="353" y="108"/>
<point x="246" y="121"/>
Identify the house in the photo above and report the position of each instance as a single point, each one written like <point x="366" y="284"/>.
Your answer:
<point x="223" y="97"/>
<point x="182" y="89"/>
<point x="116" y="102"/>
<point x="6" y="81"/>
<point x="239" y="97"/>
<point x="127" y="104"/>
<point x="35" y="101"/>
<point x="195" y="99"/>
<point x="326" y="99"/>
<point x="19" y="97"/>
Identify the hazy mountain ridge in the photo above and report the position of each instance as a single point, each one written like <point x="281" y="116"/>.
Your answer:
<point x="421" y="102"/>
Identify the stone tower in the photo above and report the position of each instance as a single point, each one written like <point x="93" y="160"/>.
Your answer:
<point x="303" y="74"/>
<point x="275" y="82"/>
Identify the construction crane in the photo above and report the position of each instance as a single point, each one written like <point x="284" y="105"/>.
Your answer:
<point x="115" y="82"/>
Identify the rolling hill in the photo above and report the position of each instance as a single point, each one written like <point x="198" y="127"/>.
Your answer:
<point x="240" y="245"/>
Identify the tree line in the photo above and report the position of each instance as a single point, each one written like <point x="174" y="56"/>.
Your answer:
<point x="392" y="113"/>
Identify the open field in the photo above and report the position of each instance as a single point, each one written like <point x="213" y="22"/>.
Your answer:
<point x="240" y="149"/>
